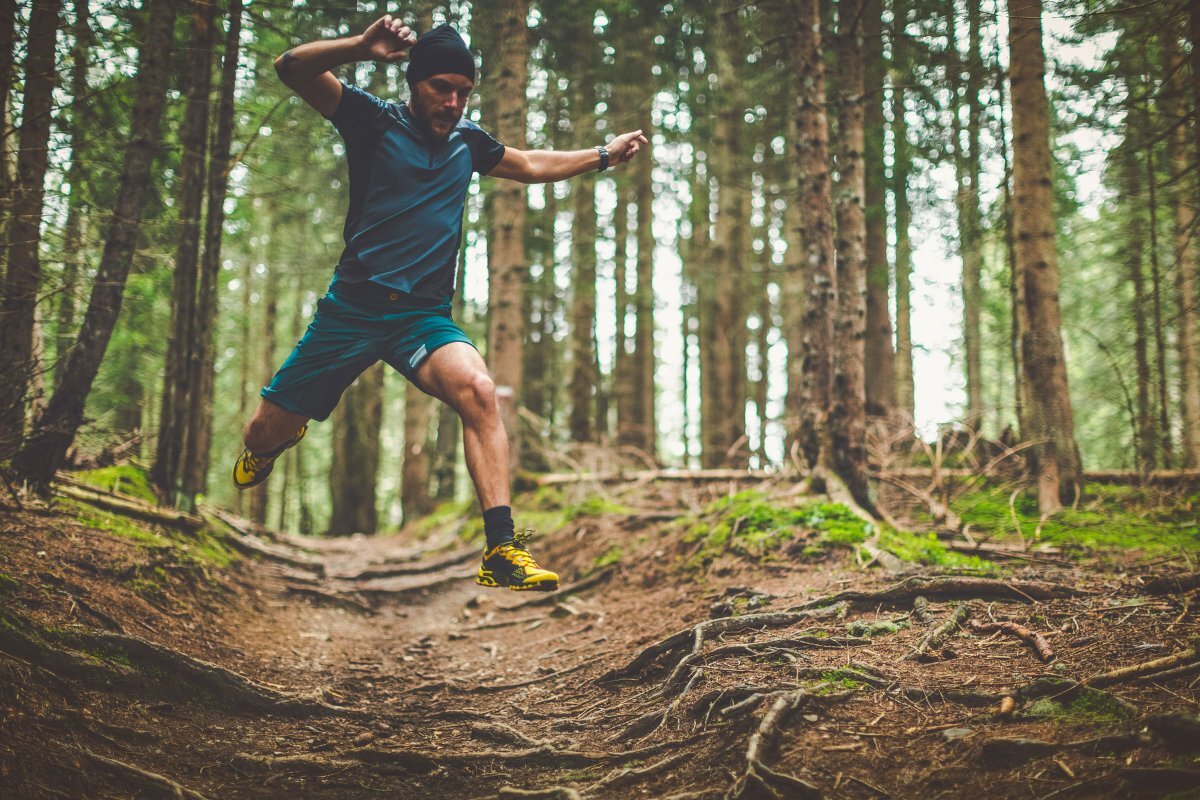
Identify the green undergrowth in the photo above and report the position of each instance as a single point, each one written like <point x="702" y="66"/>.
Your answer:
<point x="1086" y="706"/>
<point x="1109" y="518"/>
<point x="125" y="479"/>
<point x="751" y="525"/>
<point x="543" y="510"/>
<point x="205" y="547"/>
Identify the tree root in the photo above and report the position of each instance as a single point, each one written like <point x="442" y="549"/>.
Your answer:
<point x="335" y="599"/>
<point x="247" y="541"/>
<point x="650" y="722"/>
<point x="1172" y="584"/>
<point x="948" y="586"/>
<point x="937" y="637"/>
<point x="500" y="733"/>
<point x="546" y="755"/>
<point x="594" y="579"/>
<point x="697" y="634"/>
<point x="627" y="774"/>
<point x="149" y="781"/>
<point x="130" y="506"/>
<point x="226" y="684"/>
<point x="454" y="559"/>
<point x="1146" y="668"/>
<point x="1178" y="731"/>
<point x="377" y="589"/>
<point x="1014" y="751"/>
<point x="499" y="687"/>
<point x="553" y="793"/>
<point x="1035" y="640"/>
<point x="757" y="773"/>
<point x="310" y="764"/>
<point x="750" y="648"/>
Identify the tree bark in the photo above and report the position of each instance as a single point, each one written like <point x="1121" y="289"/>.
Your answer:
<point x="966" y="162"/>
<point x="901" y="77"/>
<point x="584" y="379"/>
<point x="77" y="211"/>
<point x="848" y="414"/>
<point x="1056" y="461"/>
<point x="1164" y="444"/>
<point x="1131" y="189"/>
<point x="174" y="422"/>
<point x="260" y="496"/>
<point x="880" y="359"/>
<point x="8" y="36"/>
<point x="416" y="499"/>
<point x="642" y="362"/>
<point x="1183" y="199"/>
<point x="24" y="274"/>
<point x="54" y="430"/>
<point x="203" y="356"/>
<point x="816" y="236"/>
<point x="507" y="262"/>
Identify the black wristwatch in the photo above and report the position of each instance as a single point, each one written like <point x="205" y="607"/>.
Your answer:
<point x="603" y="151"/>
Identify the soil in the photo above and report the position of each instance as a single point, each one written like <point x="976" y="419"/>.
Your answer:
<point x="322" y="678"/>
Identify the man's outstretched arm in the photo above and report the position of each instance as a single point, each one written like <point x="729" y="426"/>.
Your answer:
<point x="547" y="166"/>
<point x="305" y="69"/>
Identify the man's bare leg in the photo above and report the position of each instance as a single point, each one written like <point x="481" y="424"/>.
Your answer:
<point x="457" y="375"/>
<point x="270" y="427"/>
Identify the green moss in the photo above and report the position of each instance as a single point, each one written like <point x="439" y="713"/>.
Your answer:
<point x="924" y="548"/>
<point x="1110" y="518"/>
<point x="874" y="628"/>
<point x="114" y="523"/>
<point x="111" y="654"/>
<point x="1086" y="706"/>
<point x="836" y="681"/>
<point x="126" y="479"/>
<point x="8" y="583"/>
<point x="609" y="557"/>
<point x="444" y="514"/>
<point x="751" y="525"/>
<point x="593" y="506"/>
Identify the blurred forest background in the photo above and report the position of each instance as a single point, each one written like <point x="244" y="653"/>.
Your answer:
<point x="171" y="214"/>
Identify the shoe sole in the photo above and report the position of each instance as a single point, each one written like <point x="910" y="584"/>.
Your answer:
<point x="541" y="586"/>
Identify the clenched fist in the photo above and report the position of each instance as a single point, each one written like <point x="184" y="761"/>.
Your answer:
<point x="388" y="40"/>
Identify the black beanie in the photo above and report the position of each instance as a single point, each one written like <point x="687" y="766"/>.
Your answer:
<point x="439" y="51"/>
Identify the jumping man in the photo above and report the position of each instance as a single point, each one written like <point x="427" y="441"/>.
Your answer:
<point x="410" y="167"/>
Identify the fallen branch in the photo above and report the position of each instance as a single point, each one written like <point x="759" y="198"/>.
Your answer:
<point x="1035" y="640"/>
<point x="757" y="773"/>
<point x="946" y="586"/>
<point x="1145" y="668"/>
<point x="937" y="637"/>
<point x="697" y="634"/>
<point x="147" y="780"/>
<point x="128" y="507"/>
<point x="1172" y="584"/>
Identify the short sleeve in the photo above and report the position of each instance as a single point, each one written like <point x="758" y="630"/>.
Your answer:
<point x="359" y="114"/>
<point x="486" y="152"/>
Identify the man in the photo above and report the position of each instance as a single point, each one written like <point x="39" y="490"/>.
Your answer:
<point x="410" y="167"/>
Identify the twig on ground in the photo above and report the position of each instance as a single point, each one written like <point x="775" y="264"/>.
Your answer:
<point x="1032" y="638"/>
<point x="937" y="636"/>
<point x="1146" y="668"/>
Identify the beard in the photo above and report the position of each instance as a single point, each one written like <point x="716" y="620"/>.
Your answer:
<point x="440" y="123"/>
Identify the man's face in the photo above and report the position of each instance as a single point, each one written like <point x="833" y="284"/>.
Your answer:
<point x="439" y="101"/>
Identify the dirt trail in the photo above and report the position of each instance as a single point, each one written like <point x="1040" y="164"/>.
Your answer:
<point x="358" y="684"/>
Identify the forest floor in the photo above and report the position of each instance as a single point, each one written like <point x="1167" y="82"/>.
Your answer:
<point x="707" y="642"/>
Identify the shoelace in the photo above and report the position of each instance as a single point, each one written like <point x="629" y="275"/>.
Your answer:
<point x="253" y="463"/>
<point x="517" y="552"/>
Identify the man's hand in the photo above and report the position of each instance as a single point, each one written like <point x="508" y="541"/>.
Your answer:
<point x="623" y="148"/>
<point x="387" y="40"/>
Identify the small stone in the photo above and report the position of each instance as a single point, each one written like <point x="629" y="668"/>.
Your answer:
<point x="954" y="734"/>
<point x="366" y="737"/>
<point x="811" y="717"/>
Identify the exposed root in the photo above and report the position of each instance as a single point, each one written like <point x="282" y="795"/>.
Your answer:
<point x="1146" y="668"/>
<point x="1032" y="638"/>
<point x="1172" y="584"/>
<point x="226" y="684"/>
<point x="553" y="793"/>
<point x="1179" y="731"/>
<point x="500" y="733"/>
<point x="594" y="579"/>
<point x="757" y="773"/>
<point x="247" y="541"/>
<point x="1014" y="751"/>
<point x="1170" y="674"/>
<point x="948" y="586"/>
<point x="499" y="687"/>
<point x="933" y="642"/>
<point x="697" y="634"/>
<point x="752" y="648"/>
<point x="381" y="589"/>
<point x="335" y="599"/>
<point x="148" y="781"/>
<point x="311" y="764"/>
<point x="420" y="568"/>
<point x="129" y="506"/>
<point x="627" y="774"/>
<point x="650" y="722"/>
<point x="546" y="755"/>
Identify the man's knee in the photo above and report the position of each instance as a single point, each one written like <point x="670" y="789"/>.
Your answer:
<point x="477" y="397"/>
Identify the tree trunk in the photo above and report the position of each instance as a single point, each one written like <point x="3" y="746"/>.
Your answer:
<point x="1183" y="198"/>
<point x="901" y="77"/>
<point x="8" y="36"/>
<point x="792" y="292"/>
<point x="622" y="384"/>
<point x="415" y="497"/>
<point x="1160" y="349"/>
<point x="642" y="362"/>
<point x="24" y="274"/>
<point x="77" y="211"/>
<point x="177" y="392"/>
<point x="966" y="162"/>
<point x="196" y="458"/>
<point x="848" y="413"/>
<point x="260" y="496"/>
<point x="55" y="428"/>
<point x="1016" y="282"/>
<point x="816" y="236"/>
<point x="1131" y="189"/>
<point x="584" y="380"/>
<point x="879" y="357"/>
<point x="507" y="264"/>
<point x="354" y="468"/>
<point x="725" y="427"/>
<point x="1056" y="460"/>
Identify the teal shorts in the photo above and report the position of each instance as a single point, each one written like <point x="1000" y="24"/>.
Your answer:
<point x="355" y="326"/>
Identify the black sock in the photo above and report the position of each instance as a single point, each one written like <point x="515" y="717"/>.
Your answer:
<point x="498" y="525"/>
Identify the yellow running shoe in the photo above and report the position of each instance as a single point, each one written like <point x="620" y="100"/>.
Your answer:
<point x="511" y="565"/>
<point x="251" y="470"/>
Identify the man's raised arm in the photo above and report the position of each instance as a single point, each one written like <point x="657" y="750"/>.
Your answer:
<point x="547" y="166"/>
<point x="305" y="69"/>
